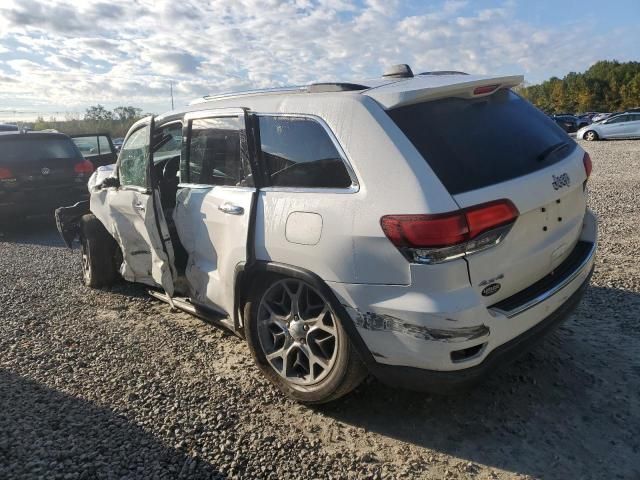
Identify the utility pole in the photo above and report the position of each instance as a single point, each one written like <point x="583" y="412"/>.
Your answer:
<point x="171" y="84"/>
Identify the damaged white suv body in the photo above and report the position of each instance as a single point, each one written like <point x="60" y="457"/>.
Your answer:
<point x="422" y="229"/>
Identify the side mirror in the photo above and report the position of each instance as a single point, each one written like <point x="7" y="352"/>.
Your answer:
<point x="110" y="182"/>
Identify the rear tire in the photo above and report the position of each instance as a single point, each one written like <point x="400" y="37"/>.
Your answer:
<point x="99" y="253"/>
<point x="311" y="359"/>
<point x="590" y="136"/>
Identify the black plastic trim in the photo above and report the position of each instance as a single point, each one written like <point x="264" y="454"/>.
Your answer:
<point x="68" y="221"/>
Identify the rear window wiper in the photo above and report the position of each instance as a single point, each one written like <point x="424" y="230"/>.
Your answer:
<point x="551" y="150"/>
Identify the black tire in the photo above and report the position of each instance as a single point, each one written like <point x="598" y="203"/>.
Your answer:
<point x="99" y="253"/>
<point x="590" y="136"/>
<point x="347" y="371"/>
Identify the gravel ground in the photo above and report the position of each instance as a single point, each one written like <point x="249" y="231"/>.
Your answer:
<point x="110" y="384"/>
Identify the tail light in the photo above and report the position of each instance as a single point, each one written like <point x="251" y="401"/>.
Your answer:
<point x="588" y="166"/>
<point x="442" y="237"/>
<point x="5" y="174"/>
<point x="84" y="167"/>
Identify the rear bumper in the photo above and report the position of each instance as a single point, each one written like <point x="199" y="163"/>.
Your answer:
<point x="435" y="381"/>
<point x="32" y="202"/>
<point x="450" y="337"/>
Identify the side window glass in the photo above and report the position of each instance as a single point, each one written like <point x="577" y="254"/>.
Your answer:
<point x="103" y="145"/>
<point x="298" y="152"/>
<point x="171" y="136"/>
<point x="88" y="146"/>
<point x="133" y="159"/>
<point x="217" y="155"/>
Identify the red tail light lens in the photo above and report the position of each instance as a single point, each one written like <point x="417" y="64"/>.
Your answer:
<point x="5" y="173"/>
<point x="484" y="89"/>
<point x="437" y="238"/>
<point x="425" y="230"/>
<point x="587" y="164"/>
<point x="490" y="215"/>
<point x="84" y="167"/>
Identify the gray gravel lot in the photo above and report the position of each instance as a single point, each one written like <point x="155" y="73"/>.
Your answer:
<point x="110" y="384"/>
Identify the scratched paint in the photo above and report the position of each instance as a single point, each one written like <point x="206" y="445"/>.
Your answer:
<point x="387" y="323"/>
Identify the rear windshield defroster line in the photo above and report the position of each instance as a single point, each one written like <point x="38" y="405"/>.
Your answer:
<point x="474" y="143"/>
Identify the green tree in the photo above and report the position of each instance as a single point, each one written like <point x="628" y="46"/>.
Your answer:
<point x="605" y="86"/>
<point x="127" y="113"/>
<point x="98" y="112"/>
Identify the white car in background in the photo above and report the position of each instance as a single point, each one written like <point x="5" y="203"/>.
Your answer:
<point x="624" y="125"/>
<point x="349" y="228"/>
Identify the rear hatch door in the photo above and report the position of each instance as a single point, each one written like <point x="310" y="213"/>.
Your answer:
<point x="499" y="146"/>
<point x="552" y="205"/>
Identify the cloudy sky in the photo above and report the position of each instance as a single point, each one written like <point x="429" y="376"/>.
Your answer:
<point x="62" y="56"/>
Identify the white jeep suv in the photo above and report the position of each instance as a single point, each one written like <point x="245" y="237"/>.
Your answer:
<point x="421" y="228"/>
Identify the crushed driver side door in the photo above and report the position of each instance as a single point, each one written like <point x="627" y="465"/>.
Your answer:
<point x="131" y="211"/>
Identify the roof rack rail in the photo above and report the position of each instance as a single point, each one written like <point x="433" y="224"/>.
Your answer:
<point x="312" y="88"/>
<point x="334" y="87"/>
<point x="444" y="72"/>
<point x="207" y="98"/>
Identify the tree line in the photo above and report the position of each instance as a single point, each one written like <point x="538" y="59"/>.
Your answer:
<point x="97" y="118"/>
<point x="607" y="86"/>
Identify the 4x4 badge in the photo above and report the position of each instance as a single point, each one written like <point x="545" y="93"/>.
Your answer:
<point x="490" y="289"/>
<point x="561" y="181"/>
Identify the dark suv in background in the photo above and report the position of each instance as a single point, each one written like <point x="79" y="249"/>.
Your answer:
<point x="39" y="172"/>
<point x="8" y="127"/>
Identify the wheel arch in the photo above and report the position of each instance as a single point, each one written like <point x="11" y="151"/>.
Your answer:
<point x="247" y="276"/>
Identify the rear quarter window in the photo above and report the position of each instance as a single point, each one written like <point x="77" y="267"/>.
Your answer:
<point x="474" y="143"/>
<point x="299" y="153"/>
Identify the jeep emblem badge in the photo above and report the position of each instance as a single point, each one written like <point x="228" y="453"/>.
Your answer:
<point x="490" y="289"/>
<point x="561" y="181"/>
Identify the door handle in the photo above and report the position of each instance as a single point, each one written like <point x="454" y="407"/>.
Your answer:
<point x="231" y="209"/>
<point x="138" y="206"/>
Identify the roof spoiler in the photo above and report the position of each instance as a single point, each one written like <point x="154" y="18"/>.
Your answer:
<point x="421" y="89"/>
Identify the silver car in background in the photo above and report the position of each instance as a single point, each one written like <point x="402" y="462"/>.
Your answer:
<point x="625" y="125"/>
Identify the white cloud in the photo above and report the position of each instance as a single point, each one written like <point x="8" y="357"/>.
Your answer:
<point x="74" y="54"/>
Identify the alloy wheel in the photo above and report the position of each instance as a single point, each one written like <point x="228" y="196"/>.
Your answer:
<point x="298" y="332"/>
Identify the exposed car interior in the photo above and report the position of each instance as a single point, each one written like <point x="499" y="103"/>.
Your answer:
<point x="166" y="167"/>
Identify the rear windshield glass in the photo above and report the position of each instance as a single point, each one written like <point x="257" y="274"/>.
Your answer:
<point x="473" y="143"/>
<point x="26" y="148"/>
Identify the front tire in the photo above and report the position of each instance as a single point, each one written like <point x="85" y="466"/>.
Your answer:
<point x="99" y="251"/>
<point x="590" y="136"/>
<point x="298" y="342"/>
